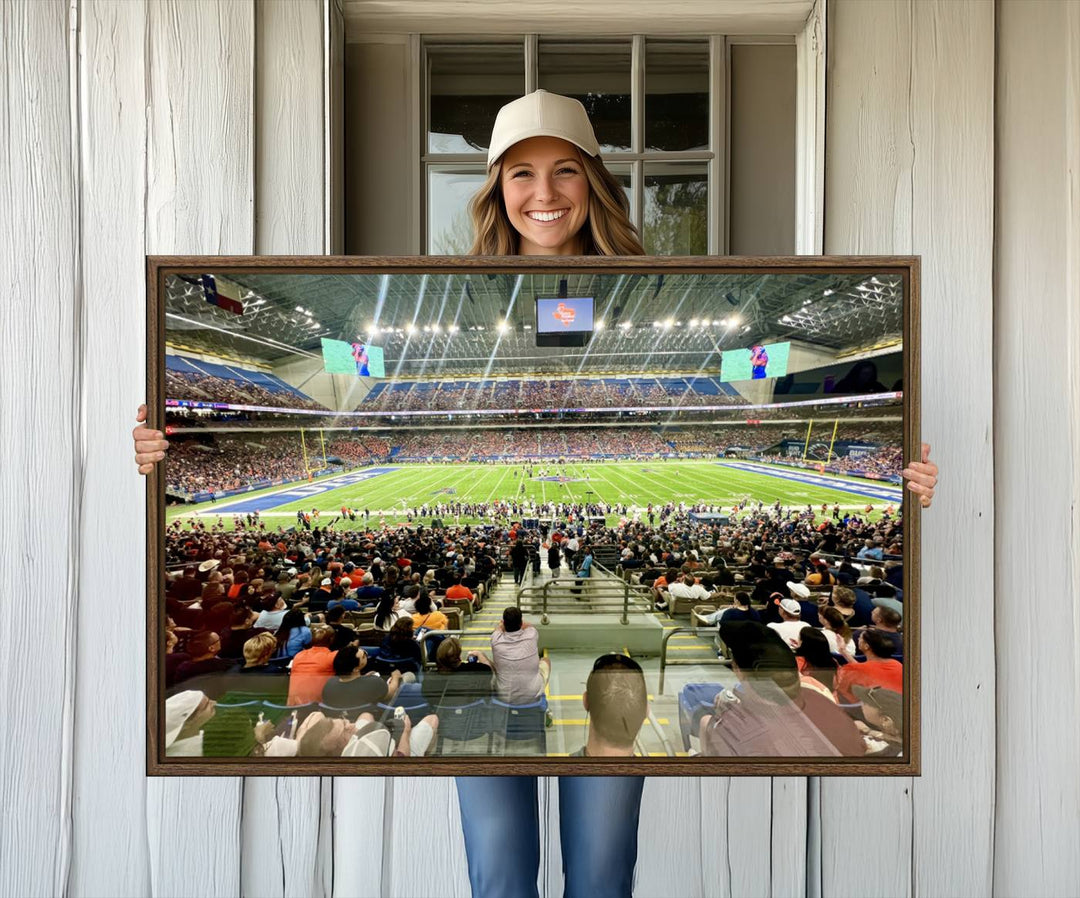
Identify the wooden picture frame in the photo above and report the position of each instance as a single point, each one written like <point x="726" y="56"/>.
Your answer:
<point x="900" y="273"/>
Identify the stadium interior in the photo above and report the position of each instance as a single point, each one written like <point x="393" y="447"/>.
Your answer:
<point x="379" y="484"/>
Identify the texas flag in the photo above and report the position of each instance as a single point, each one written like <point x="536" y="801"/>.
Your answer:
<point x="223" y="294"/>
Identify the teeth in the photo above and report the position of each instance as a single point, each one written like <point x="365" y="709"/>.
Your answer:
<point x="546" y="216"/>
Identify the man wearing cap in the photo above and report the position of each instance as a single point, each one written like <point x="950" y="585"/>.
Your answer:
<point x="807" y="610"/>
<point x="790" y="625"/>
<point x="769" y="712"/>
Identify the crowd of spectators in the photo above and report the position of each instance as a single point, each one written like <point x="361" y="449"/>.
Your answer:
<point x="887" y="461"/>
<point x="243" y="603"/>
<point x="543" y="394"/>
<point x="207" y="388"/>
<point x="566" y="442"/>
<point x="230" y="462"/>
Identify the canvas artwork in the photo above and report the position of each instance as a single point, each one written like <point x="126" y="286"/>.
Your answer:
<point x="549" y="515"/>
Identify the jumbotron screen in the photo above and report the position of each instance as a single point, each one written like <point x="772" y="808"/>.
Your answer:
<point x="755" y="362"/>
<point x="359" y="359"/>
<point x="562" y="316"/>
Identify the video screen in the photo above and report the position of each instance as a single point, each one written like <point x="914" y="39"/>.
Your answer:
<point x="756" y="362"/>
<point x="361" y="359"/>
<point x="561" y="316"/>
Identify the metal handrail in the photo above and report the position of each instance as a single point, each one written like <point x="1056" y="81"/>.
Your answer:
<point x="609" y="583"/>
<point x="664" y="662"/>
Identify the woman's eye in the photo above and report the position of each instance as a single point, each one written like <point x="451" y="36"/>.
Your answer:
<point x="569" y="171"/>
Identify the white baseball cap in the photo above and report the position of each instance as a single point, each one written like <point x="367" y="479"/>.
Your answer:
<point x="541" y="114"/>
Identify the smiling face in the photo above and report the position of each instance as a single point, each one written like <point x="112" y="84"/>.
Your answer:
<point x="546" y="194"/>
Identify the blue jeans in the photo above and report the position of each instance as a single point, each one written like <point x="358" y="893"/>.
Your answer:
<point x="598" y="823"/>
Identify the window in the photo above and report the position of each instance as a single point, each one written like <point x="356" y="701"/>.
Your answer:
<point x="652" y="105"/>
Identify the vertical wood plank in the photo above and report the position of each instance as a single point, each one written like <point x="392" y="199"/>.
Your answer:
<point x="110" y="847"/>
<point x="909" y="169"/>
<point x="670" y="839"/>
<point x="289" y="128"/>
<point x="199" y="195"/>
<point x="40" y="437"/>
<point x="953" y="230"/>
<point x="423" y="819"/>
<point x="287" y="836"/>
<point x="1037" y="446"/>
<point x="868" y="182"/>
<point x="736" y="836"/>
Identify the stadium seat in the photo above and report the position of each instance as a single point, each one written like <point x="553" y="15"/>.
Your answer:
<point x="463" y="723"/>
<point x="411" y="699"/>
<point x="519" y="723"/>
<point x="695" y="701"/>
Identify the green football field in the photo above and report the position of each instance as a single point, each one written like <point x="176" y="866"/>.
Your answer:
<point x="393" y="491"/>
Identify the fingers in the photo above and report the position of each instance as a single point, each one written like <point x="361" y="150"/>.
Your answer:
<point x="925" y="452"/>
<point x="141" y="414"/>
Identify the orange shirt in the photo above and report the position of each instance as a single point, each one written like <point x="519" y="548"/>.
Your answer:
<point x="435" y="620"/>
<point x="459" y="591"/>
<point x="872" y="672"/>
<point x="310" y="670"/>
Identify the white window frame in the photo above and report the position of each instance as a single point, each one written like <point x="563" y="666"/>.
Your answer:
<point x="810" y="125"/>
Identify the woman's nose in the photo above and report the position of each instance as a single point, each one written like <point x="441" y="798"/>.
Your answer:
<point x="545" y="188"/>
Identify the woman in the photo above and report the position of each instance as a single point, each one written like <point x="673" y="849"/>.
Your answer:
<point x="427" y="617"/>
<point x="293" y="635"/>
<point x="387" y="612"/>
<point x="457" y="682"/>
<point x="547" y="193"/>
<point x="837" y="632"/>
<point x="399" y="642"/>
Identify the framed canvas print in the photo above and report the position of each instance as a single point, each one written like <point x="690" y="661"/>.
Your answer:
<point x="567" y="515"/>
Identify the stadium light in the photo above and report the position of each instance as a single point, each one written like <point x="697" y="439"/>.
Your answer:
<point x="626" y="325"/>
<point x="693" y="322"/>
<point x="599" y="325"/>
<point x="410" y="328"/>
<point x="435" y="328"/>
<point x="656" y="324"/>
<point x="453" y="329"/>
<point x="503" y="327"/>
<point x="668" y="322"/>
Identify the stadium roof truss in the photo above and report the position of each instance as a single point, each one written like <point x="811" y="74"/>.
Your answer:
<point x="471" y="323"/>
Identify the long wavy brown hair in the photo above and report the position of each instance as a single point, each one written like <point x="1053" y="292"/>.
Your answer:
<point x="607" y="231"/>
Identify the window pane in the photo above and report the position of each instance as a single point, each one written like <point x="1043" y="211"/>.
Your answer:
<point x="624" y="176"/>
<point x="597" y="74"/>
<point x="676" y="95"/>
<point x="676" y="209"/>
<point x="467" y="84"/>
<point x="449" y="191"/>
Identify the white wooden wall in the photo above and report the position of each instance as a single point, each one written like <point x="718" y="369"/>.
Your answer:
<point x="189" y="126"/>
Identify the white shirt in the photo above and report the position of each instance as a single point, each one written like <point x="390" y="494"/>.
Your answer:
<point x="680" y="590"/>
<point x="789" y="631"/>
<point x="834" y="643"/>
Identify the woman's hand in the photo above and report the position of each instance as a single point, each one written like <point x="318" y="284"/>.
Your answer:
<point x="922" y="477"/>
<point x="150" y="445"/>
